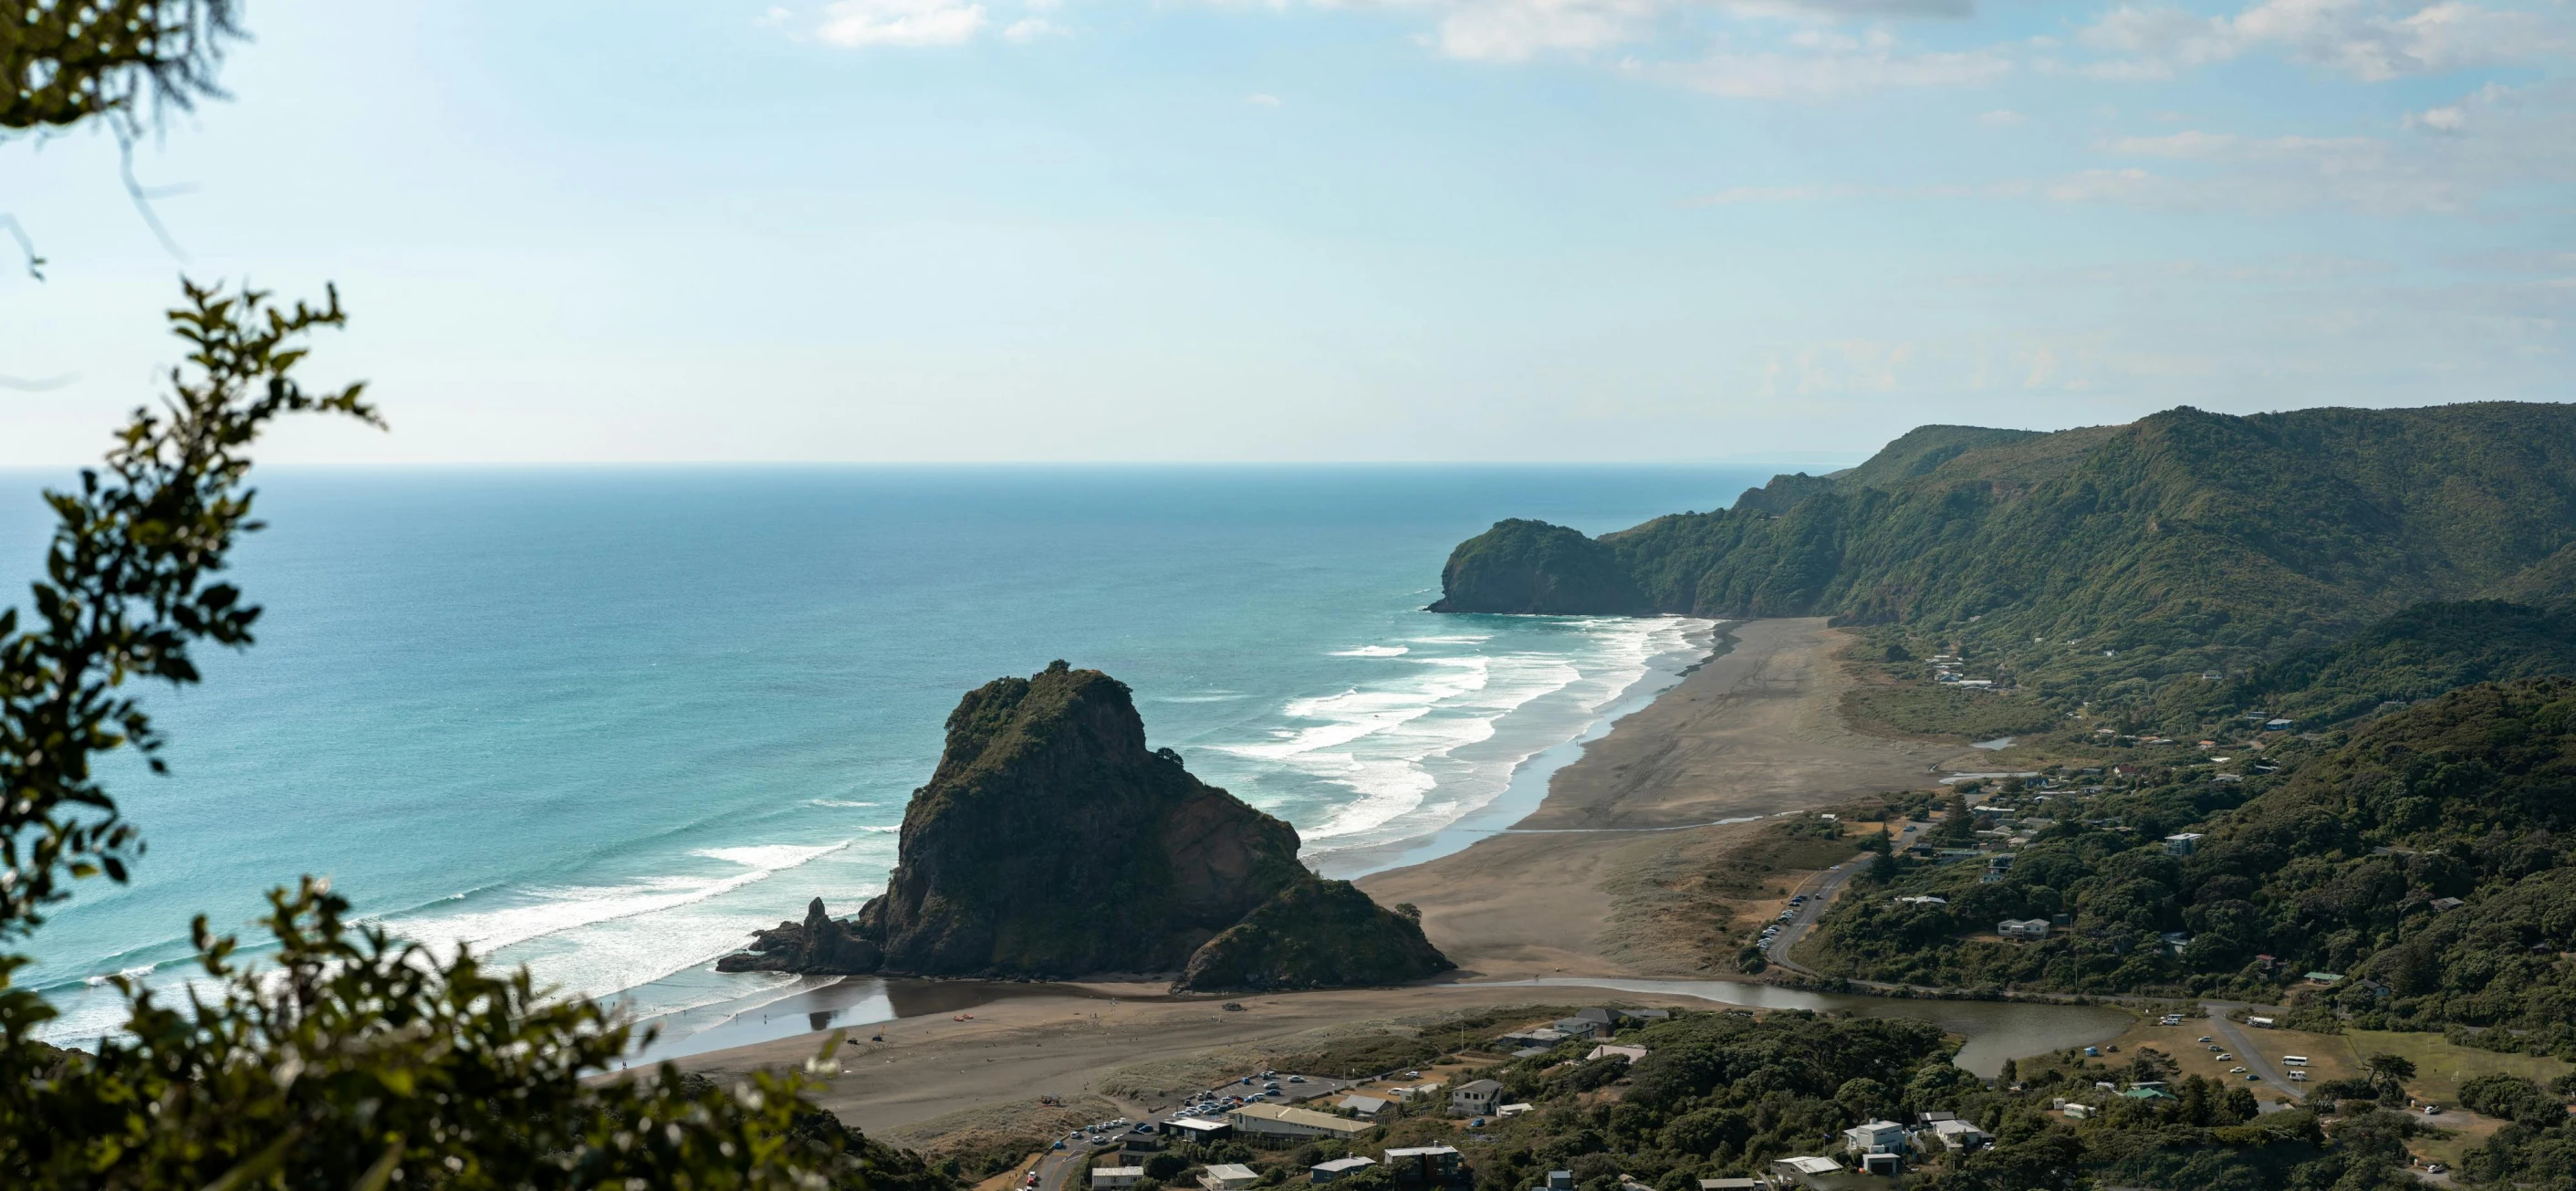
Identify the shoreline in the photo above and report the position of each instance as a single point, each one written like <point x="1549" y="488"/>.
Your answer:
<point x="1746" y="734"/>
<point x="1531" y="780"/>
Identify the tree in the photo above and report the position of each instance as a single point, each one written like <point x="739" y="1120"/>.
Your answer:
<point x="352" y="1061"/>
<point x="2389" y="1073"/>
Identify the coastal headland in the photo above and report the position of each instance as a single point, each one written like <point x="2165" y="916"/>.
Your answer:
<point x="1752" y="733"/>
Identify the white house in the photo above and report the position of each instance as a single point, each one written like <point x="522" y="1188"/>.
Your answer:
<point x="1228" y="1176"/>
<point x="1875" y="1137"/>
<point x="1956" y="1135"/>
<point x="1475" y="1098"/>
<point x="1116" y="1176"/>
<point x="2023" y="928"/>
<point x="1325" y="1172"/>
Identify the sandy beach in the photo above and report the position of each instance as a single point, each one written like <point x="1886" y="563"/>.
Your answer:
<point x="1753" y="732"/>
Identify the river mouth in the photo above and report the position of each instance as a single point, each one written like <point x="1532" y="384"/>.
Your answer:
<point x="1994" y="1030"/>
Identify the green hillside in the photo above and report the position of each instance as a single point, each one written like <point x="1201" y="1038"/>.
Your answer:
<point x="2183" y="542"/>
<point x="2346" y="860"/>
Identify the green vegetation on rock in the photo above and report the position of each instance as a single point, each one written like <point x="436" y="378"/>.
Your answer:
<point x="1534" y="567"/>
<point x="1051" y="842"/>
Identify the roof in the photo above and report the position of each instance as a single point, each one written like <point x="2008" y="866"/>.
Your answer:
<point x="1477" y="1087"/>
<point x="1117" y="1172"/>
<point x="1730" y="1185"/>
<point x="1196" y="1123"/>
<point x="1338" y="1165"/>
<point x="1429" y="1151"/>
<point x="1364" y="1104"/>
<point x="1631" y="1053"/>
<point x="1876" y="1126"/>
<point x="1603" y="1016"/>
<point x="1948" y="1127"/>
<point x="1303" y="1117"/>
<point x="2148" y="1094"/>
<point x="1805" y="1164"/>
<point x="1231" y="1171"/>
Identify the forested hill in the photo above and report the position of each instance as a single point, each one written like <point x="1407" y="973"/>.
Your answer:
<point x="2425" y="859"/>
<point x="2186" y="530"/>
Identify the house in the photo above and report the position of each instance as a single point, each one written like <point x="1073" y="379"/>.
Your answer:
<point x="1228" y="1176"/>
<point x="1804" y="1170"/>
<point x="2260" y="1023"/>
<point x="1541" y="1037"/>
<point x="1559" y="1180"/>
<point x="1274" y="1124"/>
<point x="1631" y="1053"/>
<point x="2023" y="928"/>
<point x="2444" y="905"/>
<point x="1874" y="1137"/>
<point x="2147" y="1091"/>
<point x="1645" y="1015"/>
<point x="1886" y="1162"/>
<point x="2267" y="962"/>
<point x="2078" y="1112"/>
<point x="1923" y="900"/>
<point x="2326" y="977"/>
<point x="1106" y="1177"/>
<point x="2277" y="725"/>
<point x="1367" y="1106"/>
<point x="2177" y="940"/>
<point x="2184" y="844"/>
<point x="1576" y="1027"/>
<point x="1731" y="1185"/>
<point x="1423" y="1164"/>
<point x="1956" y="1135"/>
<point x="1136" y="1147"/>
<point x="1198" y="1130"/>
<point x="1603" y="1018"/>
<point x="1475" y="1098"/>
<point x="1325" y="1172"/>
<point x="1513" y="1110"/>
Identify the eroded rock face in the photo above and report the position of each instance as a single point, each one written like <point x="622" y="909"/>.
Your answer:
<point x="821" y="945"/>
<point x="1534" y="567"/>
<point x="1052" y="843"/>
<point x="1314" y="934"/>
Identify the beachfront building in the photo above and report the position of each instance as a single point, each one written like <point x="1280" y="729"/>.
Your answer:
<point x="1279" y="1125"/>
<point x="1874" y="1137"/>
<point x="1954" y="1135"/>
<point x="1423" y="1164"/>
<point x="1108" y="1178"/>
<point x="1325" y="1172"/>
<point x="1228" y="1176"/>
<point x="1475" y="1098"/>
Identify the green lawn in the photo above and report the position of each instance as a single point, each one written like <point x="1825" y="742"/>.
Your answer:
<point x="2440" y="1066"/>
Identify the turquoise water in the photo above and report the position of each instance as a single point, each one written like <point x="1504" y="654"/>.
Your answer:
<point x="603" y="722"/>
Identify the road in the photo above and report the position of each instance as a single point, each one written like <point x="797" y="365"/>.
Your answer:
<point x="1821" y="889"/>
<point x="2237" y="1039"/>
<point x="1062" y="1170"/>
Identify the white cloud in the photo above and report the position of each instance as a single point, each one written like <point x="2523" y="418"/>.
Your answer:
<point x="1262" y="101"/>
<point x="2002" y="118"/>
<point x="1518" y="30"/>
<point x="900" y="22"/>
<point x="2373" y="40"/>
<point x="773" y="18"/>
<point x="1833" y="71"/>
<point x="1028" y="29"/>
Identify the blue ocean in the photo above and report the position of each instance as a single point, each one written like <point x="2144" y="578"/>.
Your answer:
<point x="604" y="721"/>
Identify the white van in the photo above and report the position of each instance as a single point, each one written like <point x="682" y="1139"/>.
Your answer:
<point x="2295" y="1060"/>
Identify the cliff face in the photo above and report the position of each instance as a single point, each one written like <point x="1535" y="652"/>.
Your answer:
<point x="1535" y="567"/>
<point x="1051" y="842"/>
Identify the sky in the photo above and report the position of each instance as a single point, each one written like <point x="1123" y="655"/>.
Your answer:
<point x="1346" y="230"/>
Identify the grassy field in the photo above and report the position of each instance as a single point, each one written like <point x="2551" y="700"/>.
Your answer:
<point x="2440" y="1066"/>
<point x="1921" y="709"/>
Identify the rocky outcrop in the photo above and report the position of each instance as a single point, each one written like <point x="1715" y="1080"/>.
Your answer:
<point x="1533" y="567"/>
<point x="1314" y="934"/>
<point x="821" y="945"/>
<point x="1052" y="843"/>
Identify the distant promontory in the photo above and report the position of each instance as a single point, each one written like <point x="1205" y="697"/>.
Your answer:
<point x="1052" y="843"/>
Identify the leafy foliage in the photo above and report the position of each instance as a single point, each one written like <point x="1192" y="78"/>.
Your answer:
<point x="353" y="1061"/>
<point x="66" y="61"/>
